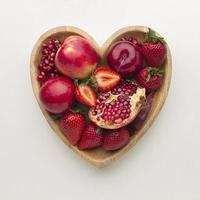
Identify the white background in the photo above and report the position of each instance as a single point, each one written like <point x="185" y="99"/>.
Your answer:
<point x="36" y="165"/>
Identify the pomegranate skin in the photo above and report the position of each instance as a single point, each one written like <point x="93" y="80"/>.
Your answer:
<point x="56" y="95"/>
<point x="125" y="58"/>
<point x="118" y="107"/>
<point x="143" y="114"/>
<point x="76" y="58"/>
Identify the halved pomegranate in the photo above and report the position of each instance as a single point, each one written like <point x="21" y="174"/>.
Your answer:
<point x="118" y="107"/>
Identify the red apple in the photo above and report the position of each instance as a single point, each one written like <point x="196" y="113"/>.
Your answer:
<point x="125" y="58"/>
<point x="57" y="94"/>
<point x="76" y="58"/>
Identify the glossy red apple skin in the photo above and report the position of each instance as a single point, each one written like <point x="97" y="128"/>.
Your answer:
<point x="56" y="95"/>
<point x="125" y="58"/>
<point x="76" y="58"/>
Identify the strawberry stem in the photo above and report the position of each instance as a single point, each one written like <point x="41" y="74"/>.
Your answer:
<point x="151" y="36"/>
<point x="77" y="82"/>
<point x="156" y="71"/>
<point x="56" y="116"/>
<point x="80" y="108"/>
<point x="99" y="130"/>
<point x="76" y="110"/>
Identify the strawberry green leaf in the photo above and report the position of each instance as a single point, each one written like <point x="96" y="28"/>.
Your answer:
<point x="156" y="71"/>
<point x="151" y="36"/>
<point x="56" y="117"/>
<point x="77" y="82"/>
<point x="99" y="130"/>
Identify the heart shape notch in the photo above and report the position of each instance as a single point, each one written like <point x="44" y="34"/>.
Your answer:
<point x="100" y="157"/>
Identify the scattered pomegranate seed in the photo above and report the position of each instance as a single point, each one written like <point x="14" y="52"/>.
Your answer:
<point x="47" y="67"/>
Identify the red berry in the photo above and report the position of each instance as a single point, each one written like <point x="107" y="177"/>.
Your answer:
<point x="150" y="78"/>
<point x="106" y="78"/>
<point x="72" y="125"/>
<point x="154" y="49"/>
<point x="86" y="95"/>
<point x="116" y="139"/>
<point x="91" y="138"/>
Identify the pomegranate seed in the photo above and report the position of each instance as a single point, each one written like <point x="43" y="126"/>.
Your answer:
<point x="46" y="61"/>
<point x="44" y="45"/>
<point x="107" y="95"/>
<point x="119" y="111"/>
<point x="52" y="54"/>
<point x="42" y="73"/>
<point x="52" y="64"/>
<point x="47" y="66"/>
<point x="127" y="115"/>
<point x="40" y="78"/>
<point x="46" y="69"/>
<point x="98" y="101"/>
<point x="116" y="116"/>
<point x="45" y="51"/>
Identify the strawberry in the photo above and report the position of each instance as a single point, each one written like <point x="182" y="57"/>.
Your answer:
<point x="72" y="125"/>
<point x="154" y="49"/>
<point x="86" y="95"/>
<point x="91" y="137"/>
<point x="116" y="139"/>
<point x="150" y="78"/>
<point x="106" y="78"/>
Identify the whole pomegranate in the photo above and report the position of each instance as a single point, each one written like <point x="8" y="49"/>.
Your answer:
<point x="56" y="94"/>
<point x="118" y="107"/>
<point x="125" y="58"/>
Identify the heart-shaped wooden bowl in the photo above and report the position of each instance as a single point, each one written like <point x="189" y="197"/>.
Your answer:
<point x="100" y="157"/>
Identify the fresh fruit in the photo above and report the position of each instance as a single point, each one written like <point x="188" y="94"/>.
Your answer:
<point x="56" y="94"/>
<point x="47" y="68"/>
<point x="150" y="78"/>
<point x="86" y="95"/>
<point x="106" y="78"/>
<point x="76" y="58"/>
<point x="91" y="137"/>
<point x="154" y="49"/>
<point x="141" y="117"/>
<point x="125" y="58"/>
<point x="133" y="41"/>
<point x="116" y="139"/>
<point x="72" y="125"/>
<point x="118" y="107"/>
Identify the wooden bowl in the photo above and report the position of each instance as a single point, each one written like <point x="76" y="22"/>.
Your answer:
<point x="100" y="157"/>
